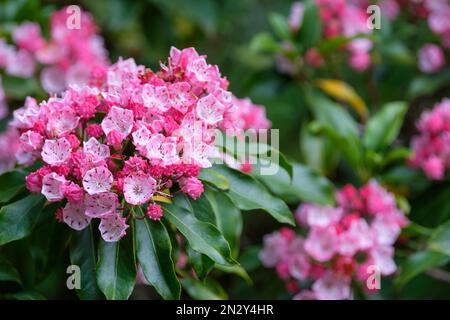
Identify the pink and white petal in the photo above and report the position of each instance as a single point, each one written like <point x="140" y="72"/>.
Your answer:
<point x="118" y="119"/>
<point x="74" y="215"/>
<point x="139" y="188"/>
<point x="97" y="149"/>
<point x="113" y="228"/>
<point x="52" y="187"/>
<point x="97" y="180"/>
<point x="56" y="152"/>
<point x="102" y="204"/>
<point x="210" y="110"/>
<point x="141" y="136"/>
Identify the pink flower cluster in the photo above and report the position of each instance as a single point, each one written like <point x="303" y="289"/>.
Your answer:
<point x="431" y="146"/>
<point x="110" y="147"/>
<point x="341" y="245"/>
<point x="72" y="55"/>
<point x="339" y="18"/>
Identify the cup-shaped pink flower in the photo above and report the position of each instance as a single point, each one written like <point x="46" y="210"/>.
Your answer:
<point x="56" y="152"/>
<point x="97" y="180"/>
<point x="98" y="150"/>
<point x="101" y="204"/>
<point x="210" y="110"/>
<point x="52" y="187"/>
<point x="155" y="97"/>
<point x="118" y="119"/>
<point x="74" y="215"/>
<point x="321" y="243"/>
<point x="138" y="188"/>
<point x="113" y="227"/>
<point x="332" y="287"/>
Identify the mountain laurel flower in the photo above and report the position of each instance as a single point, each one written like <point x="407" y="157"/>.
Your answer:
<point x="111" y="146"/>
<point x="431" y="151"/>
<point x="339" y="243"/>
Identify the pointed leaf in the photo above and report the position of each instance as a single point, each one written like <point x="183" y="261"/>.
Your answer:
<point x="10" y="184"/>
<point x="154" y="252"/>
<point x="249" y="194"/>
<point x="384" y="126"/>
<point x="18" y="219"/>
<point x="83" y="254"/>
<point x="116" y="271"/>
<point x="202" y="236"/>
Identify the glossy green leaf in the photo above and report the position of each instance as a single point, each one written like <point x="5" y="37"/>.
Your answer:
<point x="154" y="252"/>
<point x="228" y="217"/>
<point x="10" y="184"/>
<point x="418" y="263"/>
<point x="209" y="290"/>
<point x="202" y="236"/>
<point x="18" y="219"/>
<point x="383" y="127"/>
<point x="311" y="29"/>
<point x="213" y="177"/>
<point x="264" y="42"/>
<point x="249" y="194"/>
<point x="202" y="263"/>
<point x="116" y="270"/>
<point x="279" y="25"/>
<point x="83" y="254"/>
<point x="306" y="185"/>
<point x="440" y="239"/>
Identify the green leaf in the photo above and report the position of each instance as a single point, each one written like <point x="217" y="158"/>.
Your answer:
<point x="428" y="84"/>
<point x="330" y="45"/>
<point x="19" y="88"/>
<point x="311" y="29"/>
<point x="201" y="208"/>
<point x="331" y="114"/>
<point x="84" y="255"/>
<point x="202" y="264"/>
<point x="116" y="271"/>
<point x="418" y="263"/>
<point x="228" y="218"/>
<point x="398" y="53"/>
<point x="440" y="239"/>
<point x="237" y="270"/>
<point x="10" y="184"/>
<point x="209" y="290"/>
<point x="8" y="272"/>
<point x="334" y="122"/>
<point x="202" y="236"/>
<point x="213" y="177"/>
<point x="264" y="42"/>
<point x="18" y="219"/>
<point x="154" y="252"/>
<point x="279" y="25"/>
<point x="317" y="153"/>
<point x="249" y="194"/>
<point x="306" y="185"/>
<point x="384" y="126"/>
